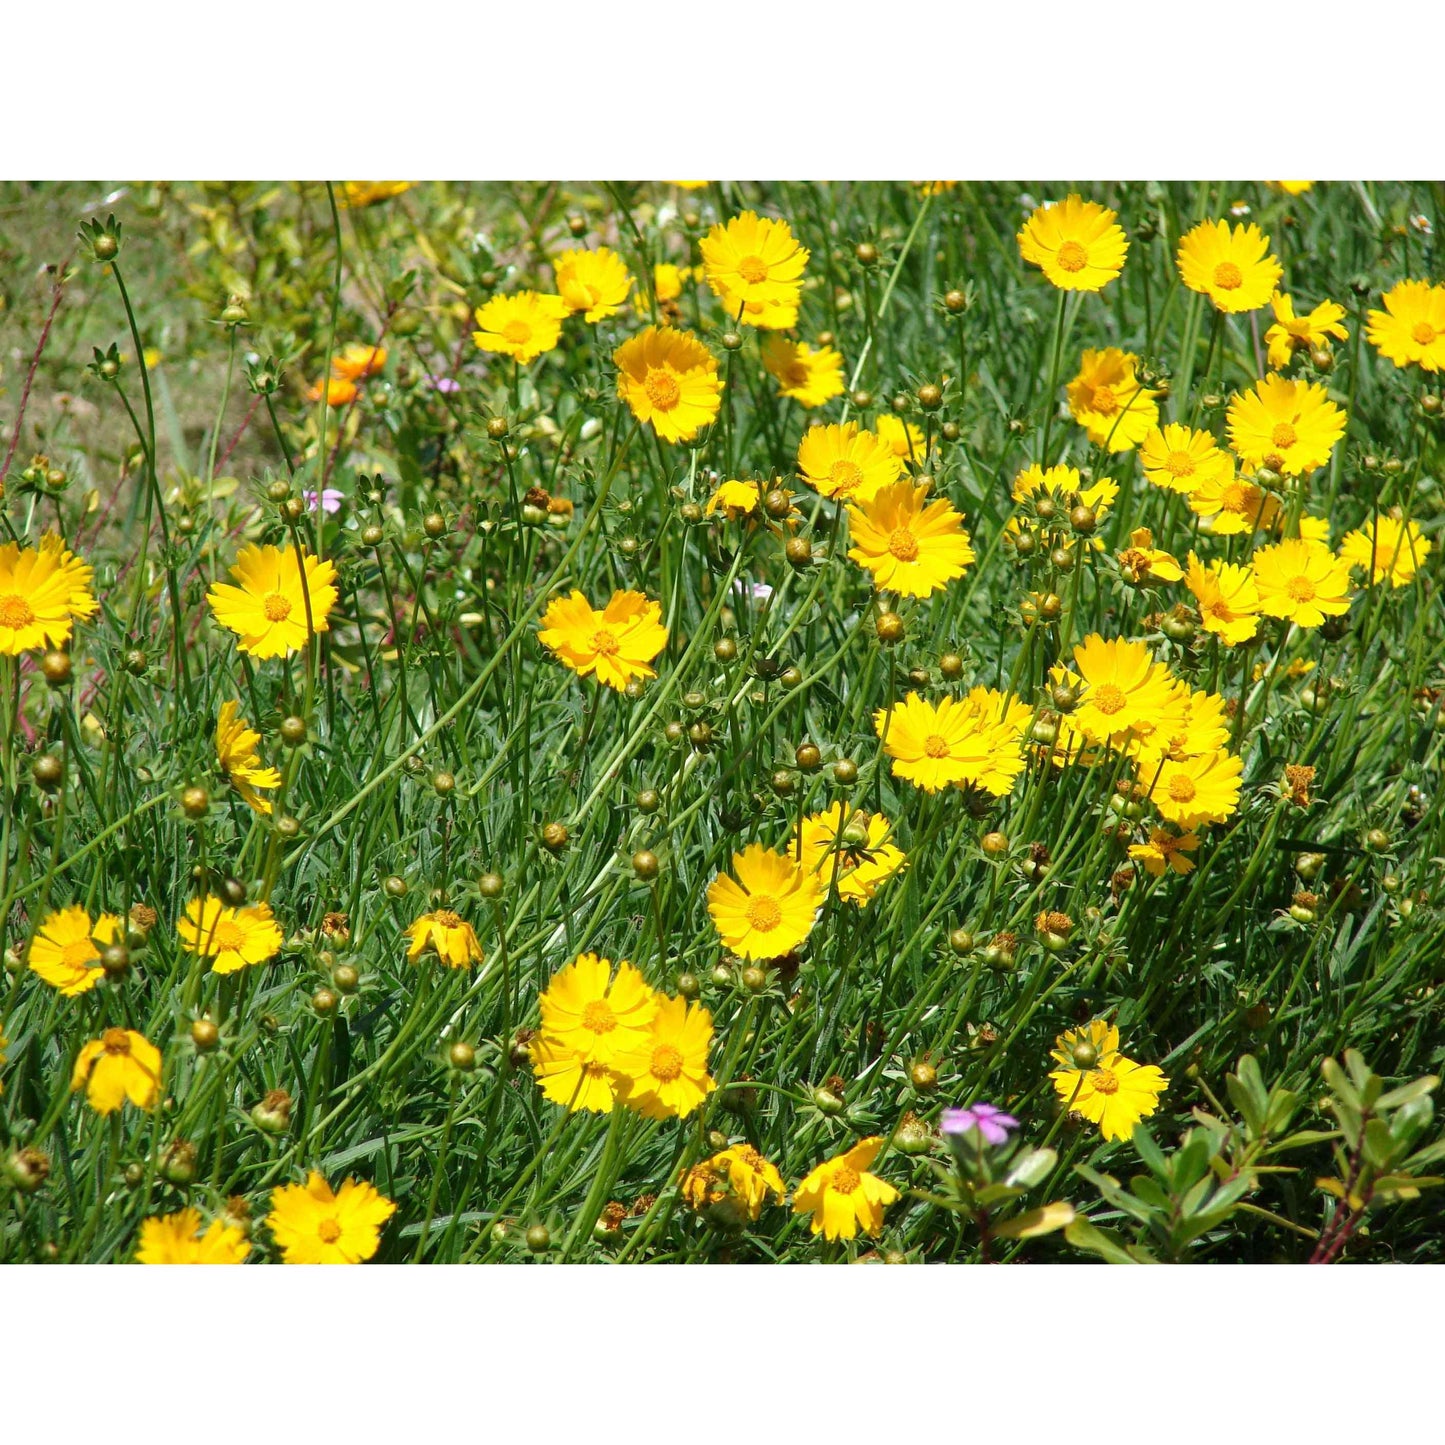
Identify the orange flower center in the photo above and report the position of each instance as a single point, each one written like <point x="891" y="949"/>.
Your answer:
<point x="846" y="1180"/>
<point x="1231" y="499"/>
<point x="228" y="936"/>
<point x="1181" y="788"/>
<point x="15" y="612"/>
<point x="77" y="953"/>
<point x="1227" y="276"/>
<point x="1283" y="435"/>
<point x="903" y="544"/>
<point x="1109" y="698"/>
<point x="763" y="913"/>
<point x="598" y="1017"/>
<point x="662" y="389"/>
<point x="1105" y="1081"/>
<point x="1072" y="256"/>
<point x="1301" y="589"/>
<point x="1179" y="464"/>
<point x="1105" y="402"/>
<point x="1423" y="333"/>
<point x="276" y="607"/>
<point x="845" y="475"/>
<point x="666" y="1063"/>
<point x="603" y="643"/>
<point x="116" y="1041"/>
<point x="329" y="1231"/>
<point x="935" y="746"/>
<point x="1219" y="609"/>
<point x="753" y="269"/>
<point x="445" y="918"/>
<point x="519" y="333"/>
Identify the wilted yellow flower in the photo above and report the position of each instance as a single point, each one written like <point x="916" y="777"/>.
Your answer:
<point x="1142" y="562"/>
<point x="1076" y="244"/>
<point x="811" y="378"/>
<point x="595" y="283"/>
<point x="1312" y="332"/>
<point x="121" y="1064"/>
<point x="1233" y="266"/>
<point x="1165" y="851"/>
<point x="271" y="608"/>
<point x="236" y="752"/>
<point x="42" y="592"/>
<point x="737" y="1174"/>
<point x="448" y="935"/>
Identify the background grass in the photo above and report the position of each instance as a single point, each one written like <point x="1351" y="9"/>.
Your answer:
<point x="432" y="665"/>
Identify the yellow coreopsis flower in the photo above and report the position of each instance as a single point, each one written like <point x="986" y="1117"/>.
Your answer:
<point x="666" y="1077"/>
<point x="1141" y="562"/>
<point x="1165" y="851"/>
<point x="121" y="1064"/>
<point x="1191" y="724"/>
<point x="311" y="1224"/>
<point x="1386" y="547"/>
<point x="236" y="752"/>
<point x="616" y="644"/>
<point x="1301" y="580"/>
<point x="448" y="935"/>
<point x="850" y="850"/>
<point x="1410" y="331"/>
<point x="669" y="379"/>
<point x="1227" y="598"/>
<point x="588" y="1017"/>
<point x="769" y="908"/>
<point x="65" y="951"/>
<point x="357" y="194"/>
<point x="951" y="742"/>
<point x="753" y="261"/>
<point x="811" y="378"/>
<point x="522" y="326"/>
<point x="356" y="361"/>
<point x="1289" y="426"/>
<point x="178" y="1239"/>
<point x="233" y="938"/>
<point x="738" y="1176"/>
<point x="1232" y="504"/>
<point x="1233" y="266"/>
<point x="270" y="609"/>
<point x="1203" y="789"/>
<point x="1179" y="459"/>
<point x="1123" y="689"/>
<point x="735" y="499"/>
<point x="905" y="439"/>
<point x="668" y="280"/>
<point x="843" y="1196"/>
<point x="1291" y="334"/>
<point x="1076" y="244"/>
<point x="1109" y="401"/>
<point x="595" y="283"/>
<point x="911" y="546"/>
<point x="42" y="592"/>
<point x="843" y="460"/>
<point x="1097" y="1081"/>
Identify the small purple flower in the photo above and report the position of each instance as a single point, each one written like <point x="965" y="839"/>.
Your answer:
<point x="331" y="500"/>
<point x="445" y="384"/>
<point x="991" y="1122"/>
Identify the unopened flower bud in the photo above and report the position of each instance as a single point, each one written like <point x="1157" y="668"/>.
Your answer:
<point x="554" y="837"/>
<point x="273" y="1114"/>
<point x="195" y="802"/>
<point x="462" y="1057"/>
<point x="645" y="864"/>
